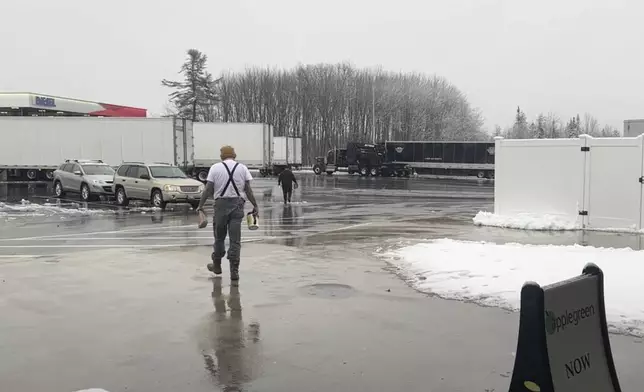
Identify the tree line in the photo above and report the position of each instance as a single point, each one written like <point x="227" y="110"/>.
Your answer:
<point x="327" y="105"/>
<point x="551" y="126"/>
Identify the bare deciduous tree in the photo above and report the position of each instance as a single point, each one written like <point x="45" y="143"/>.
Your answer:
<point x="590" y="126"/>
<point x="329" y="105"/>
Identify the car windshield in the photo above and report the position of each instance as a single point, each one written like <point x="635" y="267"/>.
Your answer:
<point x="98" y="170"/>
<point x="166" y="172"/>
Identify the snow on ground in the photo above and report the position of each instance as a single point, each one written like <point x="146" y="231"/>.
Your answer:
<point x="492" y="274"/>
<point x="26" y="208"/>
<point x="526" y="221"/>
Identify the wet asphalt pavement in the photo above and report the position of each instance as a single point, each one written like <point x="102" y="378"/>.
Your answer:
<point x="119" y="298"/>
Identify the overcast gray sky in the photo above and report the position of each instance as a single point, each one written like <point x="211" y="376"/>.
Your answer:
<point x="568" y="56"/>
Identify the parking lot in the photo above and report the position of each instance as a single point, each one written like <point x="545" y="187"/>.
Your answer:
<point x="96" y="295"/>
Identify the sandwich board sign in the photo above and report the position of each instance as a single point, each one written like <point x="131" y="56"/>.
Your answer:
<point x="563" y="342"/>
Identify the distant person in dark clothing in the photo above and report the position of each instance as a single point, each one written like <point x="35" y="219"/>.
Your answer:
<point x="286" y="180"/>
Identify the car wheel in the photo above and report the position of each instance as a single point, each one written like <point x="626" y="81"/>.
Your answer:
<point x="157" y="199"/>
<point x="203" y="175"/>
<point x="58" y="189"/>
<point x="49" y="175"/>
<point x="480" y="174"/>
<point x="374" y="172"/>
<point x="364" y="171"/>
<point x="85" y="193"/>
<point x="121" y="197"/>
<point x="317" y="170"/>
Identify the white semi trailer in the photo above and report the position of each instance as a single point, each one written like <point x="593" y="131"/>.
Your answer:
<point x="254" y="144"/>
<point x="33" y="147"/>
<point x="287" y="152"/>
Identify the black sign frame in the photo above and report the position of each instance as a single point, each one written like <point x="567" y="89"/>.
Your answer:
<point x="532" y="364"/>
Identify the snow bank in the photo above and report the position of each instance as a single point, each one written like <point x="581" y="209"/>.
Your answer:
<point x="492" y="274"/>
<point x="526" y="222"/>
<point x="26" y="208"/>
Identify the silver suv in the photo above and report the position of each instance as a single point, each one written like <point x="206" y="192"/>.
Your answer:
<point x="160" y="183"/>
<point x="89" y="178"/>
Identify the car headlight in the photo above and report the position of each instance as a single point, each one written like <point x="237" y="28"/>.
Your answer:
<point x="201" y="188"/>
<point x="97" y="182"/>
<point x="171" y="188"/>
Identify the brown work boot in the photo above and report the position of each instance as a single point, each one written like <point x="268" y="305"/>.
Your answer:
<point x="215" y="266"/>
<point x="234" y="270"/>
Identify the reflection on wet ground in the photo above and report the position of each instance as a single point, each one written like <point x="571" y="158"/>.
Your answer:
<point x="230" y="345"/>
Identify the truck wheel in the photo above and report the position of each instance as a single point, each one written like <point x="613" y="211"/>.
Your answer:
<point x="121" y="197"/>
<point x="374" y="172"/>
<point x="317" y="169"/>
<point x="49" y="174"/>
<point x="32" y="174"/>
<point x="58" y="189"/>
<point x="203" y="175"/>
<point x="480" y="174"/>
<point x="85" y="193"/>
<point x="363" y="172"/>
<point x="157" y="199"/>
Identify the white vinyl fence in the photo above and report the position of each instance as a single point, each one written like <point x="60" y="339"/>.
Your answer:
<point x="597" y="182"/>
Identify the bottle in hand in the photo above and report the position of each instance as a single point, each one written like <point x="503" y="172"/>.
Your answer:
<point x="203" y="220"/>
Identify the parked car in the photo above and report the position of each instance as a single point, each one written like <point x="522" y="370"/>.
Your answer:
<point x="159" y="183"/>
<point x="89" y="178"/>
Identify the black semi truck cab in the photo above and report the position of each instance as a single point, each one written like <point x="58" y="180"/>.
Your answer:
<point x="362" y="158"/>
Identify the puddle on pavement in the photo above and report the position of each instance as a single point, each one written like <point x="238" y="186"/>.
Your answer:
<point x="328" y="290"/>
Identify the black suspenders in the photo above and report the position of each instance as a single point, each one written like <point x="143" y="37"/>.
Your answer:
<point x="230" y="180"/>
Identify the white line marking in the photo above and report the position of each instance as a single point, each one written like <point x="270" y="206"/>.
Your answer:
<point x="176" y="238"/>
<point x="139" y="246"/>
<point x="22" y="256"/>
<point x="96" y="246"/>
<point x="97" y="232"/>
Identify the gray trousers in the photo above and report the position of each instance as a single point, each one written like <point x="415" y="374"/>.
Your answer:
<point x="229" y="213"/>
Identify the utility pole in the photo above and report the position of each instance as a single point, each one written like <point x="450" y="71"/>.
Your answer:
<point x="373" y="110"/>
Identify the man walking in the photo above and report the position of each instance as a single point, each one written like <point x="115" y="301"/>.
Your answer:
<point x="286" y="179"/>
<point x="228" y="182"/>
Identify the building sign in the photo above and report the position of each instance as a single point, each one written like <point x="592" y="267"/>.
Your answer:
<point x="45" y="102"/>
<point x="563" y="337"/>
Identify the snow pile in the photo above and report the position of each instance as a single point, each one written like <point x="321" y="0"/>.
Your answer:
<point x="492" y="274"/>
<point x="526" y="221"/>
<point x="26" y="208"/>
<point x="145" y="210"/>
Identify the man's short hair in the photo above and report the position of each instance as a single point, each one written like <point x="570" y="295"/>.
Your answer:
<point x="227" y="152"/>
